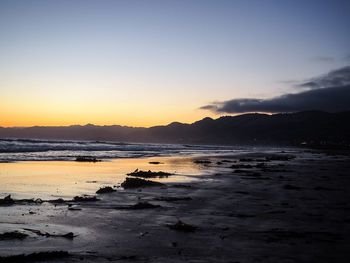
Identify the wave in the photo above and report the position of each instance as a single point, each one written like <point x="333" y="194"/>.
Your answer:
<point x="44" y="150"/>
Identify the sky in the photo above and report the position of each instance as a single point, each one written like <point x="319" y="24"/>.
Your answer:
<point x="145" y="63"/>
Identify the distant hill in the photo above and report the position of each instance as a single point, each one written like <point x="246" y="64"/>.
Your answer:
<point x="288" y="129"/>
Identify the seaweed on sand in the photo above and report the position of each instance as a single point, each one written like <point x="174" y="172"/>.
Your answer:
<point x="8" y="200"/>
<point x="69" y="235"/>
<point x="149" y="174"/>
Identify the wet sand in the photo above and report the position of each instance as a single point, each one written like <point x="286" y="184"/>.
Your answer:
<point x="66" y="179"/>
<point x="287" y="210"/>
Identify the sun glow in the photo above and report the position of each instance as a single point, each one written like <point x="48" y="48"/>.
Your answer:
<point x="45" y="114"/>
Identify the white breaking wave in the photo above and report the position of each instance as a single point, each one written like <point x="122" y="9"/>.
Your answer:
<point x="44" y="150"/>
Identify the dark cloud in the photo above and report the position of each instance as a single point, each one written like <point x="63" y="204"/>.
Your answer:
<point x="212" y="107"/>
<point x="332" y="99"/>
<point x="339" y="77"/>
<point x="330" y="92"/>
<point x="310" y="85"/>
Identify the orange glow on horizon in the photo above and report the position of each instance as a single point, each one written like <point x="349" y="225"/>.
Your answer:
<point x="147" y="118"/>
<point x="76" y="106"/>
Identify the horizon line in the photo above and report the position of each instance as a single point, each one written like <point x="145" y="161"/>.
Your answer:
<point x="127" y="126"/>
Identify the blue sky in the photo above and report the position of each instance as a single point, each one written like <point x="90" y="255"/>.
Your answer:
<point x="153" y="62"/>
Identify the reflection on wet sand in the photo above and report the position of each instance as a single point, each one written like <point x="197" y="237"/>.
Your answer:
<point x="64" y="179"/>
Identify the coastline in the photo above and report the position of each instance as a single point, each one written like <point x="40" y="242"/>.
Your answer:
<point x="290" y="210"/>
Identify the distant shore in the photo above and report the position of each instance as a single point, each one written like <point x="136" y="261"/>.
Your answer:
<point x="252" y="129"/>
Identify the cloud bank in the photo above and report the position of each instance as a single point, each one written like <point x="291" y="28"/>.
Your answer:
<point x="330" y="92"/>
<point x="335" y="78"/>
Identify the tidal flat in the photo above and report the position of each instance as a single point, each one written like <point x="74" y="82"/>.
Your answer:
<point x="277" y="205"/>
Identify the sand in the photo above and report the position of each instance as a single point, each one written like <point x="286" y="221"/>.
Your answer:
<point x="288" y="210"/>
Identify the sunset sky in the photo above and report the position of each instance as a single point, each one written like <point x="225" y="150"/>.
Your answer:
<point x="145" y="63"/>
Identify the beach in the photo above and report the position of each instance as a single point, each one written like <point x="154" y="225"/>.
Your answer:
<point x="174" y="131"/>
<point x="262" y="205"/>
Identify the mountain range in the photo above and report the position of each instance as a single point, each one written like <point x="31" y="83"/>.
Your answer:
<point x="308" y="127"/>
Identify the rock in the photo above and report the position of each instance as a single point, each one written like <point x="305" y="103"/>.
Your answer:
<point x="7" y="200"/>
<point x="105" y="190"/>
<point x="148" y="174"/>
<point x="138" y="183"/>
<point x="38" y="201"/>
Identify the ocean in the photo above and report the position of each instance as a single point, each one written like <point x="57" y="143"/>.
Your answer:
<point x="12" y="150"/>
<point x="47" y="168"/>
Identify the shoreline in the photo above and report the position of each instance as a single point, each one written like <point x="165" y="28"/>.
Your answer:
<point x="244" y="215"/>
